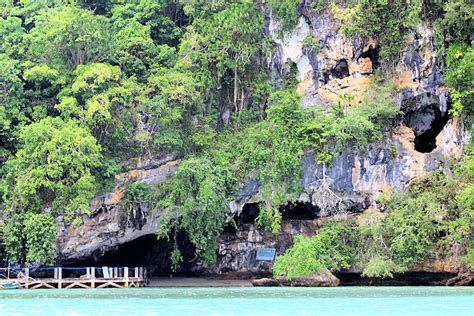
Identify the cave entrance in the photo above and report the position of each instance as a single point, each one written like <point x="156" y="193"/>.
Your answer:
<point x="426" y="121"/>
<point x="145" y="251"/>
<point x="299" y="211"/>
<point x="373" y="55"/>
<point x="426" y="142"/>
<point x="290" y="211"/>
<point x="341" y="70"/>
<point x="249" y="213"/>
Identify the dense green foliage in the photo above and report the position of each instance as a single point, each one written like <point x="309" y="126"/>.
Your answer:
<point x="29" y="238"/>
<point x="387" y="21"/>
<point x="327" y="250"/>
<point x="195" y="201"/>
<point x="135" y="194"/>
<point x="404" y="231"/>
<point x="456" y="24"/>
<point x="460" y="76"/>
<point x="88" y="85"/>
<point x="53" y="166"/>
<point x="454" y="35"/>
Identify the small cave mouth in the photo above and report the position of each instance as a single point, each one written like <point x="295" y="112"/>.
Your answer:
<point x="145" y="251"/>
<point x="426" y="142"/>
<point x="325" y="77"/>
<point x="341" y="70"/>
<point x="427" y="123"/>
<point x="248" y="215"/>
<point x="299" y="211"/>
<point x="373" y="53"/>
<point x="289" y="211"/>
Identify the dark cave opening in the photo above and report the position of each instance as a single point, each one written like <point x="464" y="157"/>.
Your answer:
<point x="341" y="70"/>
<point x="290" y="211"/>
<point x="249" y="213"/>
<point x="325" y="78"/>
<point x="145" y="251"/>
<point x="373" y="54"/>
<point x="426" y="142"/>
<point x="299" y="211"/>
<point x="426" y="122"/>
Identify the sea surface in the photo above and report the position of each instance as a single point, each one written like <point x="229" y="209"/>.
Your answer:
<point x="241" y="301"/>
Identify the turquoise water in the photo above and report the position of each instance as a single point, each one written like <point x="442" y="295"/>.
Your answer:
<point x="241" y="301"/>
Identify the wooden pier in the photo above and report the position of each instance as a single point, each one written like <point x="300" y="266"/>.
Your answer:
<point x="110" y="277"/>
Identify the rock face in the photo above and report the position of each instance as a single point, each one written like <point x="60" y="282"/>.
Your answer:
<point x="462" y="279"/>
<point x="426" y="140"/>
<point x="107" y="226"/>
<point x="237" y="250"/>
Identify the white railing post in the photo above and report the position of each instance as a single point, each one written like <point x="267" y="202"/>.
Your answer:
<point x="27" y="276"/>
<point x="93" y="277"/>
<point x="60" y="277"/>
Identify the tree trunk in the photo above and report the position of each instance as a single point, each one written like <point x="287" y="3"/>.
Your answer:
<point x="236" y="78"/>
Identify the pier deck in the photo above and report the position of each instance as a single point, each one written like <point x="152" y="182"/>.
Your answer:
<point x="110" y="277"/>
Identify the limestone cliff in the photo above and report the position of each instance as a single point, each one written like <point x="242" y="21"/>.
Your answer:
<point x="426" y="140"/>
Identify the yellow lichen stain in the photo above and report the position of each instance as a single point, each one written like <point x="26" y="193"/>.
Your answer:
<point x="356" y="173"/>
<point x="131" y="176"/>
<point x="356" y="86"/>
<point x="416" y="160"/>
<point x="436" y="265"/>
<point x="404" y="80"/>
<point x="363" y="66"/>
<point x="304" y="86"/>
<point x="117" y="195"/>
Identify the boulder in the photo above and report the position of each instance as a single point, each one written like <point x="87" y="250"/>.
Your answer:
<point x="323" y="279"/>
<point x="462" y="279"/>
<point x="265" y="282"/>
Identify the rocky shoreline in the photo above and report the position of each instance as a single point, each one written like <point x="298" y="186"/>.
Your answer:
<point x="321" y="280"/>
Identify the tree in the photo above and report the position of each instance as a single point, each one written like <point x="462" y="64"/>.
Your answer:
<point x="457" y="22"/>
<point x="229" y="41"/>
<point x="136" y="51"/>
<point x="53" y="167"/>
<point x="12" y="100"/>
<point x="330" y="249"/>
<point x="68" y="36"/>
<point x="158" y="16"/>
<point x="203" y="8"/>
<point x="460" y="77"/>
<point x="29" y="238"/>
<point x="13" y="38"/>
<point x="91" y="95"/>
<point x="196" y="201"/>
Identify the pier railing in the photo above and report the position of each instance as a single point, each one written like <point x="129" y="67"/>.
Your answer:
<point x="82" y="277"/>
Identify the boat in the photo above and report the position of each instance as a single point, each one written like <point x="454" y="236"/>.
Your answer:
<point x="9" y="284"/>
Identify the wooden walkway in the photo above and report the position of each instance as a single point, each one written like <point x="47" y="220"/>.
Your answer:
<point x="112" y="277"/>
